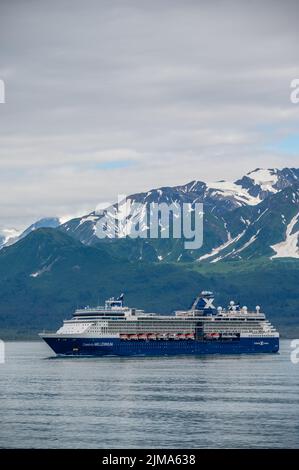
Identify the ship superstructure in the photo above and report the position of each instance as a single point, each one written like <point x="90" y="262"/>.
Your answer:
<point x="115" y="329"/>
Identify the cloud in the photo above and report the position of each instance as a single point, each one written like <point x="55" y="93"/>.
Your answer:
<point x="117" y="97"/>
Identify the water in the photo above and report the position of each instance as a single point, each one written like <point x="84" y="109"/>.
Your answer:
<point x="175" y="402"/>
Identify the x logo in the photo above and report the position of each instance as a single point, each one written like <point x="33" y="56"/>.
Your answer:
<point x="209" y="303"/>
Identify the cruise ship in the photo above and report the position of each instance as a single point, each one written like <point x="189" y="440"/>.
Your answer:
<point x="117" y="330"/>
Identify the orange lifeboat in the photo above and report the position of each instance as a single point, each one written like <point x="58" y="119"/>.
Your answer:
<point x="181" y="336"/>
<point x="152" y="336"/>
<point x="142" y="336"/>
<point x="134" y="337"/>
<point x="212" y="335"/>
<point x="190" y="336"/>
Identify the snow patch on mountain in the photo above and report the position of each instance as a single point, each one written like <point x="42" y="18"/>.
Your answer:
<point x="45" y="268"/>
<point x="233" y="190"/>
<point x="222" y="247"/>
<point x="266" y="179"/>
<point x="261" y="215"/>
<point x="65" y="218"/>
<point x="247" y="244"/>
<point x="89" y="218"/>
<point x="289" y="247"/>
<point x="236" y="239"/>
<point x="9" y="233"/>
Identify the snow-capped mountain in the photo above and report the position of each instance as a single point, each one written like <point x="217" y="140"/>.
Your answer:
<point x="253" y="216"/>
<point x="260" y="183"/>
<point x="269" y="229"/>
<point x="10" y="236"/>
<point x="7" y="234"/>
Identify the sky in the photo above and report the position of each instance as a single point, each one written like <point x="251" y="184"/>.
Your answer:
<point x="115" y="97"/>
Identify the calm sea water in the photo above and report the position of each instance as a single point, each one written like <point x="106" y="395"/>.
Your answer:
<point x="178" y="402"/>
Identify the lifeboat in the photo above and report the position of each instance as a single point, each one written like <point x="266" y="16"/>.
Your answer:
<point x="152" y="336"/>
<point x="142" y="336"/>
<point x="216" y="335"/>
<point x="162" y="336"/>
<point x="212" y="335"/>
<point x="182" y="336"/>
<point x="124" y="336"/>
<point x="134" y="337"/>
<point x="190" y="336"/>
<point x="172" y="336"/>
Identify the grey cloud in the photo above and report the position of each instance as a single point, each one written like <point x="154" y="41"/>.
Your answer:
<point x="181" y="89"/>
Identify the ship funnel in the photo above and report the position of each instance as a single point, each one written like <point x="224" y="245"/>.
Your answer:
<point x="121" y="298"/>
<point x="204" y="302"/>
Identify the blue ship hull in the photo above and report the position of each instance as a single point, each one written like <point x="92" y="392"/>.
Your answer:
<point x="118" y="347"/>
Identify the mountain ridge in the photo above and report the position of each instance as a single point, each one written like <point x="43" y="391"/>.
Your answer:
<point x="229" y="210"/>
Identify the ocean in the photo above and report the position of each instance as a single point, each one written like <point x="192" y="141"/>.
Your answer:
<point x="168" y="402"/>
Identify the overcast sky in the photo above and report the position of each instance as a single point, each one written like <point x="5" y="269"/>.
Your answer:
<point x="108" y="97"/>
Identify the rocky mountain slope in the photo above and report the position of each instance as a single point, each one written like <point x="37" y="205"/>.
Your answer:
<point x="252" y="217"/>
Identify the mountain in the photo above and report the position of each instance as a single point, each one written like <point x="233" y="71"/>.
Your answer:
<point x="260" y="183"/>
<point x="269" y="229"/>
<point x="41" y="273"/>
<point x="7" y="234"/>
<point x="236" y="220"/>
<point x="254" y="216"/>
<point x="250" y="252"/>
<point x="46" y="275"/>
<point x="11" y="236"/>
